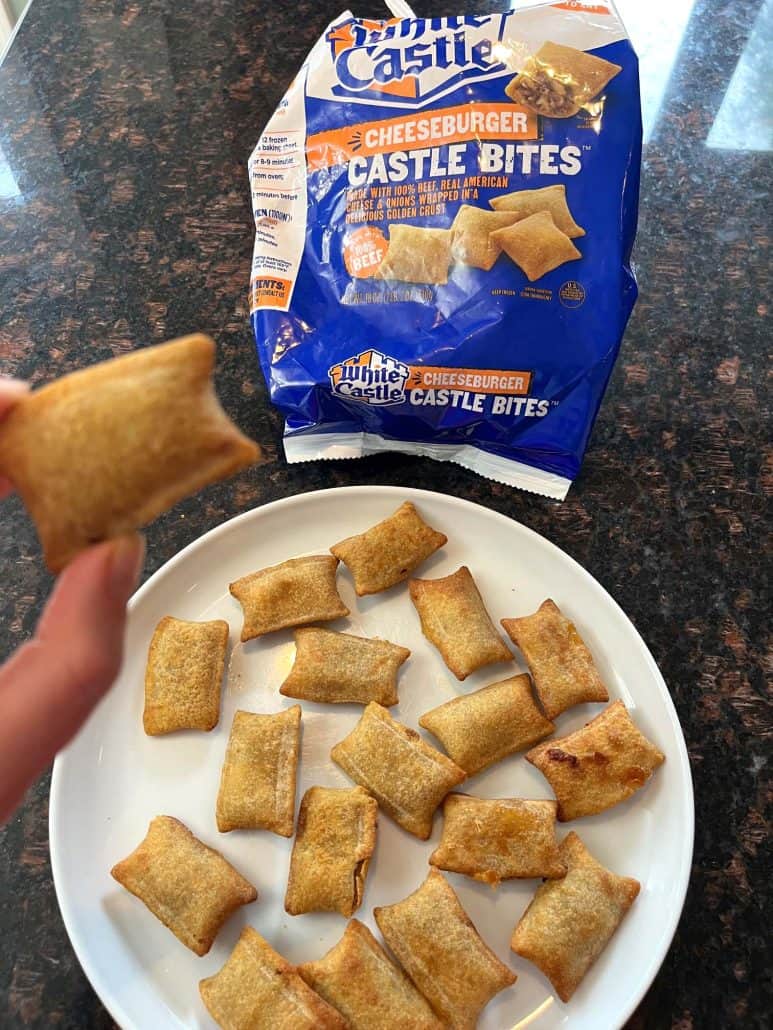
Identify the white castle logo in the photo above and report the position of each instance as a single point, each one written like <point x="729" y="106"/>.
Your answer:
<point x="408" y="62"/>
<point x="370" y="377"/>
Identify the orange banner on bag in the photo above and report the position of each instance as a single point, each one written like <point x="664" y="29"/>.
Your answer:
<point x="481" y="380"/>
<point x="270" y="291"/>
<point x="506" y="121"/>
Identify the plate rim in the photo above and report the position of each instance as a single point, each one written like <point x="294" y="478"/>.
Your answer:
<point x="103" y="989"/>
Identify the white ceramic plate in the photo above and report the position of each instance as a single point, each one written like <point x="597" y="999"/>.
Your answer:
<point x="113" y="779"/>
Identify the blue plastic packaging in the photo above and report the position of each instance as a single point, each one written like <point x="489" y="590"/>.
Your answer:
<point x="400" y="123"/>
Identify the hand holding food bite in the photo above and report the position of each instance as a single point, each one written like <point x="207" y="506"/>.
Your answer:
<point x="71" y="660"/>
<point x="94" y="456"/>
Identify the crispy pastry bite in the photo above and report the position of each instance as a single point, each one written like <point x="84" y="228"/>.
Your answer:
<point x="441" y="951"/>
<point x="523" y="203"/>
<point x="561" y="665"/>
<point x="471" y="242"/>
<point x="416" y="255"/>
<point x="558" y="80"/>
<point x="184" y="675"/>
<point x="85" y="477"/>
<point x="388" y="552"/>
<point x="570" y="921"/>
<point x="407" y="777"/>
<point x="494" y="840"/>
<point x="536" y="245"/>
<point x="597" y="766"/>
<point x="297" y="592"/>
<point x="337" y="667"/>
<point x="485" y="726"/>
<point x="366" y="987"/>
<point x="257" y="784"/>
<point x="189" y="887"/>
<point x="257" y="989"/>
<point x="334" y="842"/>
<point x="454" y="619"/>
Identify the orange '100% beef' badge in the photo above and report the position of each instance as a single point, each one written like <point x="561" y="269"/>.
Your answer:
<point x="364" y="250"/>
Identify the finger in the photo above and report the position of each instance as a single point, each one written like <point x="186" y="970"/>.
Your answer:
<point x="10" y="392"/>
<point x="51" y="684"/>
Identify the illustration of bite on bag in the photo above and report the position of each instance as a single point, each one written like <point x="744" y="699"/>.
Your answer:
<point x="444" y="215"/>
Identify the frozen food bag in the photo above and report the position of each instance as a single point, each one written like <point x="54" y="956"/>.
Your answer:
<point x="444" y="214"/>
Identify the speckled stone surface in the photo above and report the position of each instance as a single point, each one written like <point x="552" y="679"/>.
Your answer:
<point x="125" y="219"/>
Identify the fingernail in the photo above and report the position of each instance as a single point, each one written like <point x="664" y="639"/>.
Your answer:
<point x="126" y="564"/>
<point x="11" y="385"/>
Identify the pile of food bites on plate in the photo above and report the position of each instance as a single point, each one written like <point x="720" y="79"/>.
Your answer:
<point x="440" y="972"/>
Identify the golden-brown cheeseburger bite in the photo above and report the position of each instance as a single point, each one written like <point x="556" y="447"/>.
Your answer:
<point x="297" y="592"/>
<point x="485" y="726"/>
<point x="257" y="782"/>
<point x="333" y="668"/>
<point x="184" y="675"/>
<point x="558" y="80"/>
<point x="416" y="255"/>
<point x="536" y="245"/>
<point x="523" y="203"/>
<point x="335" y="839"/>
<point x="597" y="766"/>
<point x="188" y="886"/>
<point x="561" y="665"/>
<point x="257" y="989"/>
<point x="495" y="840"/>
<point x="472" y="243"/>
<point x="387" y="553"/>
<point x="104" y="450"/>
<point x="454" y="619"/>
<point x="570" y="921"/>
<point x="368" y="989"/>
<point x="407" y="777"/>
<point x="441" y="951"/>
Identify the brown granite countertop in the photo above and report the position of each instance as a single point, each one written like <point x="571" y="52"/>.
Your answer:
<point x="125" y="219"/>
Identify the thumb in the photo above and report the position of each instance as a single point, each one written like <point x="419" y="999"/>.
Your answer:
<point x="51" y="684"/>
<point x="11" y="390"/>
<point x="84" y="619"/>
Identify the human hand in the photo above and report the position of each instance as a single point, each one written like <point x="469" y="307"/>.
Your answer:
<point x="50" y="684"/>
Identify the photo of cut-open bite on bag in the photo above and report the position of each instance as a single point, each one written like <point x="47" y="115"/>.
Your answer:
<point x="558" y="80"/>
